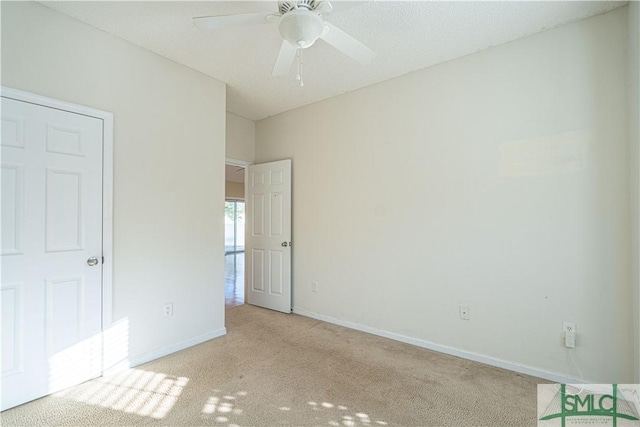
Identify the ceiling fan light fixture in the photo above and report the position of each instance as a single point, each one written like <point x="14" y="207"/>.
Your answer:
<point x="300" y="23"/>
<point x="301" y="27"/>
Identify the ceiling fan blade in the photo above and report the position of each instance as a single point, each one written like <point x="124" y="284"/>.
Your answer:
<point x="215" y="22"/>
<point x="285" y="58"/>
<point x="323" y="7"/>
<point x="339" y="5"/>
<point x="347" y="44"/>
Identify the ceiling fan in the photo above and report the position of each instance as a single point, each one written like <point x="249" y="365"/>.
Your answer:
<point x="301" y="24"/>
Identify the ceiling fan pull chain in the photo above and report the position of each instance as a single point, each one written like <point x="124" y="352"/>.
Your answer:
<point x="300" y="65"/>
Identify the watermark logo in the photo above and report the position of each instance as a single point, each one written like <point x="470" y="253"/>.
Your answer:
<point x="577" y="405"/>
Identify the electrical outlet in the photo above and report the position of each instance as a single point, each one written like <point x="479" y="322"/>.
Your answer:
<point x="464" y="312"/>
<point x="569" y="327"/>
<point x="314" y="286"/>
<point x="168" y="309"/>
<point x="569" y="331"/>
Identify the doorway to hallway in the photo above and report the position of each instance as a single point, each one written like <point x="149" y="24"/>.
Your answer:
<point x="234" y="219"/>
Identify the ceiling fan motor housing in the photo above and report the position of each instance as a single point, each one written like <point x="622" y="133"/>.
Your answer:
<point x="301" y="27"/>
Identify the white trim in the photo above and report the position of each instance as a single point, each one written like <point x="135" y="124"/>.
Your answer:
<point x="487" y="360"/>
<point x="107" y="221"/>
<point x="107" y="184"/>
<point x="20" y="95"/>
<point x="153" y="355"/>
<point x="237" y="162"/>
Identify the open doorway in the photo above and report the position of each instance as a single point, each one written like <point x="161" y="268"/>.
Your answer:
<point x="234" y="219"/>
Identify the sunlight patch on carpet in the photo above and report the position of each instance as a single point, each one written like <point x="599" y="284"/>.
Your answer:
<point x="135" y="391"/>
<point x="338" y="417"/>
<point x="222" y="406"/>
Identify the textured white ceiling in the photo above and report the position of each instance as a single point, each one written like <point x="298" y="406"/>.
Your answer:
<point x="407" y="35"/>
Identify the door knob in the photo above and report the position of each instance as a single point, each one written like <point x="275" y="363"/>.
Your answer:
<point x="92" y="261"/>
<point x="284" y="244"/>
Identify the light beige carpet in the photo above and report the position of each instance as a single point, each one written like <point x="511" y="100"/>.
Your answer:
<point x="273" y="369"/>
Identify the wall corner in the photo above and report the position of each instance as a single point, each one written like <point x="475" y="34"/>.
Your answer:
<point x="633" y="28"/>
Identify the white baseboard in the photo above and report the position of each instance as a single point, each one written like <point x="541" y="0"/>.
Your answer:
<point x="153" y="355"/>
<point x="487" y="360"/>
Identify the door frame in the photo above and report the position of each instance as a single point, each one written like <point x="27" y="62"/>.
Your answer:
<point x="107" y="187"/>
<point x="245" y="164"/>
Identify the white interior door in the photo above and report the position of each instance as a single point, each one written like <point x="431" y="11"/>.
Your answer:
<point x="51" y="288"/>
<point x="268" y="241"/>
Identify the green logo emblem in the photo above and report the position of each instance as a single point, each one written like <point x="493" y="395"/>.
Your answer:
<point x="615" y="406"/>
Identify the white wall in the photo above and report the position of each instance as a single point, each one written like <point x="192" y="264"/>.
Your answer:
<point x="241" y="138"/>
<point x="527" y="240"/>
<point x="634" y="133"/>
<point x="169" y="148"/>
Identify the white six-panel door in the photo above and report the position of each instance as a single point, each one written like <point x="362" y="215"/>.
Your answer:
<point x="268" y="240"/>
<point x="51" y="227"/>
